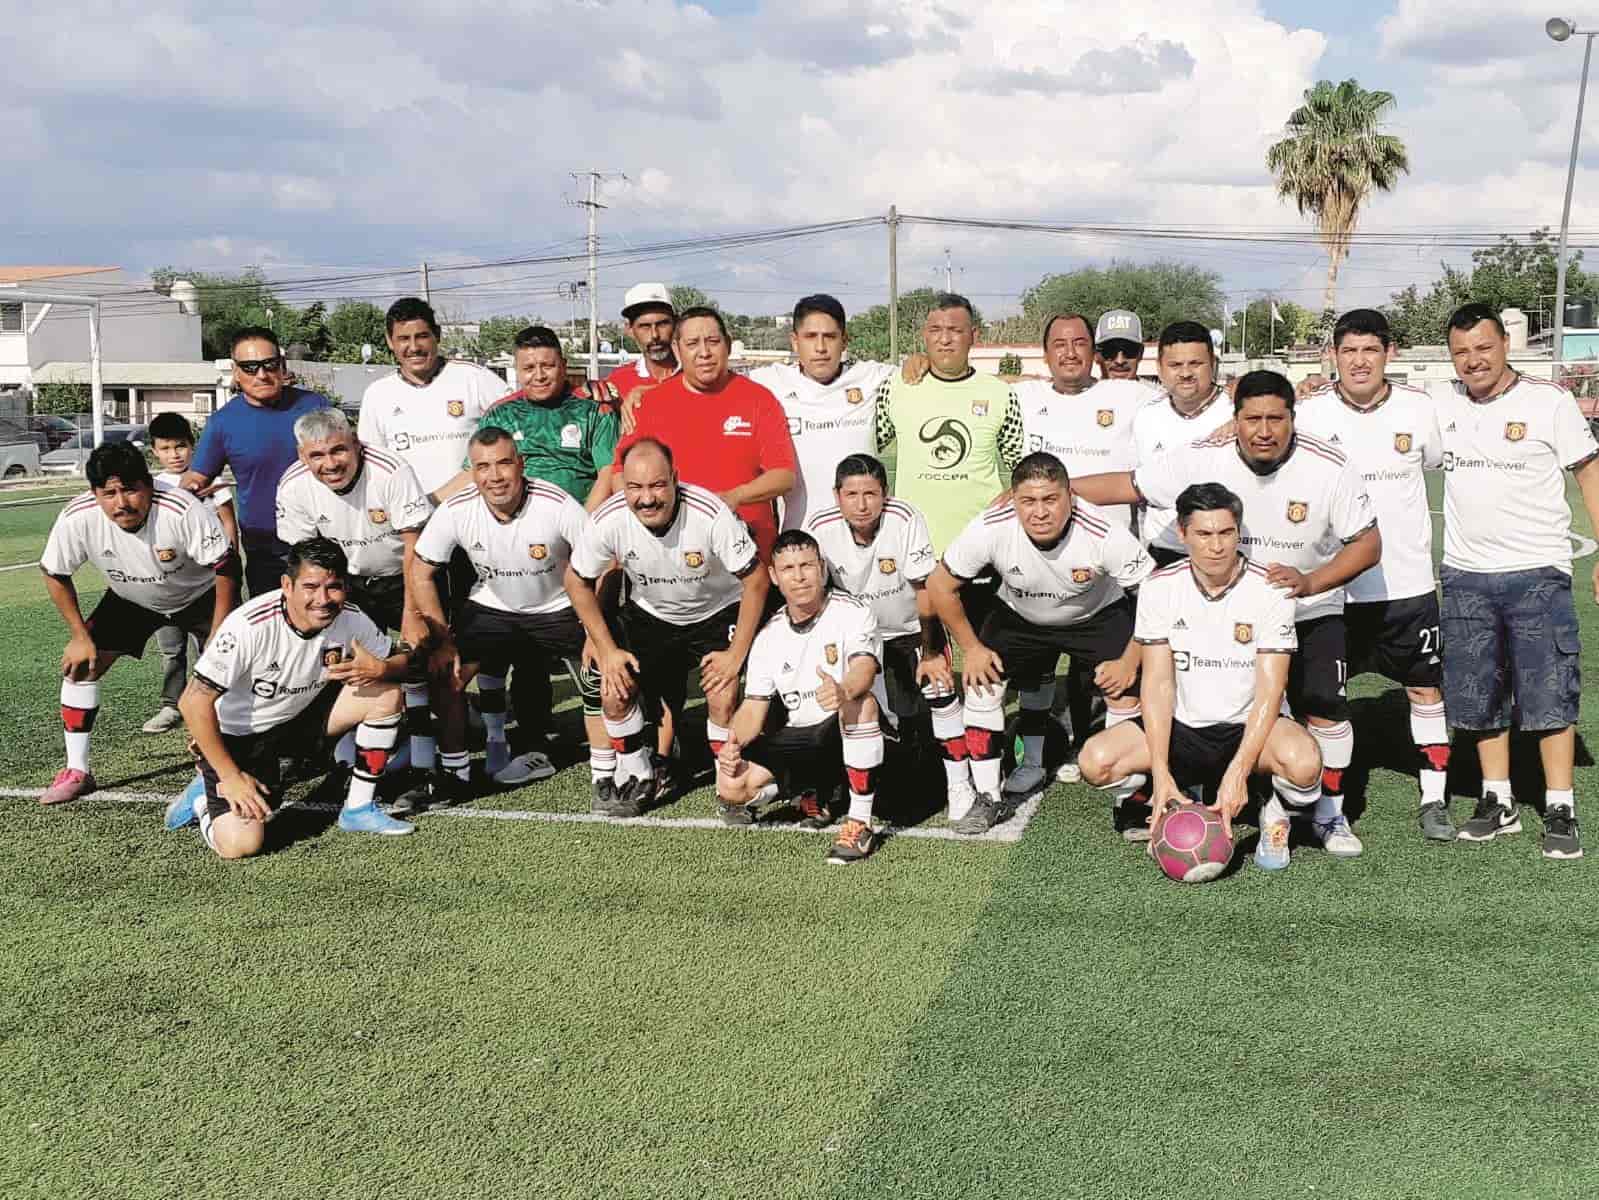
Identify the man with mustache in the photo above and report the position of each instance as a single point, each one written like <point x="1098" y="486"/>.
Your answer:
<point x="651" y="322"/>
<point x="167" y="562"/>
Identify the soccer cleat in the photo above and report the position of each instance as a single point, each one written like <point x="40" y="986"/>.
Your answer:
<point x="180" y="809"/>
<point x="1130" y="818"/>
<point x="164" y="721"/>
<point x="1337" y="838"/>
<point x="662" y="766"/>
<point x="1560" y="839"/>
<point x="985" y="813"/>
<point x="735" y="814"/>
<point x="1436" y="823"/>
<point x="1024" y="781"/>
<point x="1271" y="852"/>
<point x="603" y="803"/>
<point x="1068" y="771"/>
<point x="524" y="768"/>
<point x="813" y="813"/>
<point x="69" y="784"/>
<point x="854" y="842"/>
<point x="367" y="819"/>
<point x="632" y="796"/>
<point x="1491" y="819"/>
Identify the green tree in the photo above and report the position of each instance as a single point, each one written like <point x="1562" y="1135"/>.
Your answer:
<point x="1298" y="324"/>
<point x="1333" y="157"/>
<point x="496" y="335"/>
<point x="1159" y="292"/>
<point x="868" y="330"/>
<point x="687" y="296"/>
<point x="61" y="399"/>
<point x="1420" y="319"/>
<point x="352" y="324"/>
<point x="230" y="302"/>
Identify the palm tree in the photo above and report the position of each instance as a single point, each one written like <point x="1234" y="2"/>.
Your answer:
<point x="1332" y="158"/>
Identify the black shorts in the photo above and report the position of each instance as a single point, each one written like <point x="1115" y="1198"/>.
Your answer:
<point x="1199" y="756"/>
<point x="455" y="581"/>
<point x="380" y="597"/>
<point x="258" y="753"/>
<point x="1399" y="639"/>
<point x="900" y="656"/>
<point x="801" y="758"/>
<point x="669" y="655"/>
<point x="120" y="626"/>
<point x="1030" y="651"/>
<point x="1318" y="674"/>
<point x="493" y="638"/>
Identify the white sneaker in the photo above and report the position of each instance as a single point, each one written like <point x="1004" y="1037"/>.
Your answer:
<point x="1024" y="781"/>
<point x="1068" y="771"/>
<point x="164" y="721"/>
<point x="961" y="798"/>
<point x="1337" y="838"/>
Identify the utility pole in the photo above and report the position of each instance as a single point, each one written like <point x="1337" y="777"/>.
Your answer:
<point x="893" y="284"/>
<point x="427" y="295"/>
<point x="593" y="205"/>
<point x="949" y="274"/>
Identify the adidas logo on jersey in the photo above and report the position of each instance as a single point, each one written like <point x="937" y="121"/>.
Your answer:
<point x="1450" y="428"/>
<point x="272" y="668"/>
<point x="1336" y="440"/>
<point x="630" y="556"/>
<point x="477" y="545"/>
<point x="1179" y="623"/>
<point x="1014" y="571"/>
<point x="788" y="666"/>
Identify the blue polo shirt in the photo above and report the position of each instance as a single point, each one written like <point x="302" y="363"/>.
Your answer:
<point x="258" y="443"/>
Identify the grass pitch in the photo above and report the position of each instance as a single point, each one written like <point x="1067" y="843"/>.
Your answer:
<point x="510" y="1008"/>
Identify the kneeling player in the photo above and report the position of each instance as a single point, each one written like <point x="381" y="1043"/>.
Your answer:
<point x="167" y="562"/>
<point x="290" y="669"/>
<point x="820" y="655"/>
<point x="1217" y="639"/>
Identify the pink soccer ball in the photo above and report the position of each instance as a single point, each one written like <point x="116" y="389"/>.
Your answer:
<point x="1190" y="845"/>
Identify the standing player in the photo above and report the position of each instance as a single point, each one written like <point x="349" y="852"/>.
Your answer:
<point x="1308" y="516"/>
<point x="696" y="595"/>
<point x="1216" y="640"/>
<point x="1390" y="432"/>
<point x="1062" y="573"/>
<point x="651" y="323"/>
<point x="518" y="535"/>
<point x="1119" y="344"/>
<point x="1511" y="645"/>
<point x="167" y="562"/>
<point x="288" y="670"/>
<point x="820" y="657"/>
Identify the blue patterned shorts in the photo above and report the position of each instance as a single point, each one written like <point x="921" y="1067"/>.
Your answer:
<point x="1511" y="649"/>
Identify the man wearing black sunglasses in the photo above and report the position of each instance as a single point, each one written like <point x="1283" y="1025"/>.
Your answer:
<point x="254" y="434"/>
<point x="1119" y="344"/>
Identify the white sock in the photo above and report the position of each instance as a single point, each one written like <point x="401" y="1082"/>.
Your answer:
<point x="1272" y="812"/>
<point x="631" y="763"/>
<point x="1115" y="716"/>
<point x="1500" y="788"/>
<point x="863" y="755"/>
<point x="419" y="720"/>
<point x="457" y="763"/>
<point x="716" y="735"/>
<point x="1337" y="744"/>
<point x="1560" y="799"/>
<point x="205" y="826"/>
<point x="80" y="702"/>
<point x="949" y="729"/>
<point x="1124" y="789"/>
<point x="1295" y="796"/>
<point x="985" y="723"/>
<point x="602" y="763"/>
<point x="375" y="739"/>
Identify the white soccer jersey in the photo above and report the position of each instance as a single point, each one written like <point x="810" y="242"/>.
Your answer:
<point x="165" y="565"/>
<point x="1390" y="444"/>
<point x="1504" y="496"/>
<point x="1088" y="568"/>
<point x="268" y="671"/>
<point x="828" y="422"/>
<point x="1159" y="428"/>
<point x="1214" y="639"/>
<point x="221" y="496"/>
<point x="365" y="519"/>
<point x="785" y="657"/>
<point x="429" y="426"/>
<point x="686" y="574"/>
<point x="882" y="571"/>
<point x="1300" y="515"/>
<point x="520" y="563"/>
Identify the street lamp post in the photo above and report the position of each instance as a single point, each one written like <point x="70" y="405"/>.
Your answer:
<point x="1560" y="30"/>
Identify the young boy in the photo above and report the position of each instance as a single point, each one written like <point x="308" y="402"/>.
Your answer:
<point x="172" y="438"/>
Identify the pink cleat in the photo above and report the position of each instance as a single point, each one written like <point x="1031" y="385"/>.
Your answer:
<point x="69" y="784"/>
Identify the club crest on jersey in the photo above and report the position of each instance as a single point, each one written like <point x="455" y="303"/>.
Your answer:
<point x="377" y="516"/>
<point x="887" y="565"/>
<point x="854" y="395"/>
<point x="1106" y="417"/>
<point x="830" y="652"/>
<point x="332" y="656"/>
<point x="1243" y="633"/>
<point x="538" y="550"/>
<point x="1082" y="574"/>
<point x="456" y="408"/>
<point x="1515" y="430"/>
<point x="1402" y="443"/>
<point x="571" y="437"/>
<point x="1298" y="511"/>
<point x="165" y="554"/>
<point x="694" y="559"/>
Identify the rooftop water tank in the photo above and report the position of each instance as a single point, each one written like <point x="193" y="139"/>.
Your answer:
<point x="1515" y="327"/>
<point x="187" y="296"/>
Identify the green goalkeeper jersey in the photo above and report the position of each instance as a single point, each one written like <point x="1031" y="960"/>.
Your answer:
<point x="567" y="442"/>
<point x="957" y="442"/>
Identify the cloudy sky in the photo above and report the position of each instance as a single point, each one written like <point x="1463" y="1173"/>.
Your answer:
<point x="319" y="140"/>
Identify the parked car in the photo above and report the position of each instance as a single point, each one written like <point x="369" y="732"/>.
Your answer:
<point x="14" y="431"/>
<point x="58" y="431"/>
<point x="19" y="456"/>
<point x="69" y="459"/>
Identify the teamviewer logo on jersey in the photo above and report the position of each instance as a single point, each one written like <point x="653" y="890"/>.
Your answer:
<point x="737" y="426"/>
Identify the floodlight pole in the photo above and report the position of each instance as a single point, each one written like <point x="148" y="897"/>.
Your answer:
<point x="1558" y="346"/>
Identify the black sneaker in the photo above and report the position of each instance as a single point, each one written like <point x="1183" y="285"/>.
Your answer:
<point x="630" y="798"/>
<point x="986" y="812"/>
<point x="813" y="813"/>
<point x="662" y="766"/>
<point x="1560" y="839"/>
<point x="1436" y="823"/>
<point x="1130" y="818"/>
<point x="1489" y="820"/>
<point x="854" y="842"/>
<point x="604" y="802"/>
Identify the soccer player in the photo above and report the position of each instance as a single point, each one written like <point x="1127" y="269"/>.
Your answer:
<point x="820" y="657"/>
<point x="694" y="603"/>
<point x="878" y="550"/>
<point x="727" y="434"/>
<point x="651" y="322"/>
<point x="1390" y="432"/>
<point x="1062" y="573"/>
<point x="166" y="561"/>
<point x="1216" y="638"/>
<point x="518" y="534"/>
<point x="1193" y="406"/>
<point x="1119" y="344"/>
<point x="1308" y="517"/>
<point x="289" y="670"/>
<point x="172" y="440"/>
<point x="1510" y="628"/>
<point x="253" y="434"/>
<point x="425" y="412"/>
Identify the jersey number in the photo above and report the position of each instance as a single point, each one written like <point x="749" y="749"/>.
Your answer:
<point x="1429" y="639"/>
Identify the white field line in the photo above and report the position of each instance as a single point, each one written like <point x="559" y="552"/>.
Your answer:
<point x="1007" y="832"/>
<point x="19" y="566"/>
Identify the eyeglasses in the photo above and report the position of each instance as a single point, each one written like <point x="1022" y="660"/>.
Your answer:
<point x="254" y="366"/>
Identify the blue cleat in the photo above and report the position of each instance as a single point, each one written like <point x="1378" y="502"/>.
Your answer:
<point x="367" y="819"/>
<point x="1271" y="852"/>
<point x="182" y="811"/>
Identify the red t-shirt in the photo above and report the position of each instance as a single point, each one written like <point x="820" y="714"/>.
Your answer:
<point x="720" y="440"/>
<point x="629" y="376"/>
